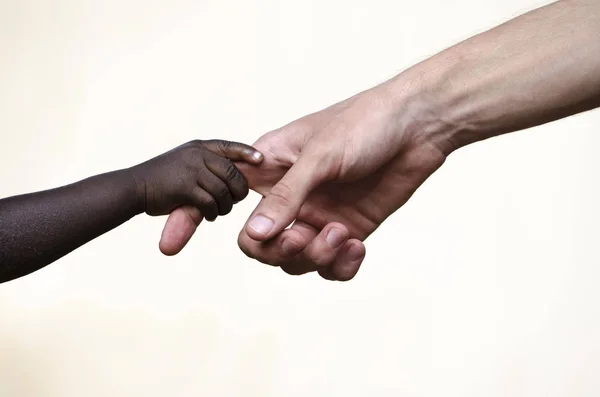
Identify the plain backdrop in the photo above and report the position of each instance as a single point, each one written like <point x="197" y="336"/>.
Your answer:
<point x="484" y="284"/>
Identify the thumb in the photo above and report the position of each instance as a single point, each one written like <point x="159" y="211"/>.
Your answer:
<point x="179" y="228"/>
<point x="281" y="205"/>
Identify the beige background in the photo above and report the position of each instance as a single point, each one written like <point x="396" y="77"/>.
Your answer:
<point x="485" y="284"/>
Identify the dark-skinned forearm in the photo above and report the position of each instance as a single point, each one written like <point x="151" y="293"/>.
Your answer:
<point x="37" y="229"/>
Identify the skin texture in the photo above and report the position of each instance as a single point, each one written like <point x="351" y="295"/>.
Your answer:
<point x="347" y="168"/>
<point x="37" y="229"/>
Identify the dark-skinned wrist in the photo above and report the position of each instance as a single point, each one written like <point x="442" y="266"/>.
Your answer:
<point x="137" y="185"/>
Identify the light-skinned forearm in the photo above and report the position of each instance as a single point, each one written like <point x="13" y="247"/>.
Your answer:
<point x="536" y="68"/>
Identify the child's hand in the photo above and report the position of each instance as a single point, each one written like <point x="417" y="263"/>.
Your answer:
<point x="198" y="173"/>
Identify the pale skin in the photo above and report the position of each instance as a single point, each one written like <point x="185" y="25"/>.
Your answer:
<point x="337" y="174"/>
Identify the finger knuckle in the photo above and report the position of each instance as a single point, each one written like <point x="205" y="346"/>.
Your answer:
<point x="281" y="193"/>
<point x="321" y="260"/>
<point x="209" y="202"/>
<point x="231" y="171"/>
<point x="194" y="144"/>
<point x="189" y="156"/>
<point x="224" y="146"/>
<point x="319" y="255"/>
<point x="222" y="193"/>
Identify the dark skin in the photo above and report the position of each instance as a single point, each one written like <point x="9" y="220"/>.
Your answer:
<point x="36" y="229"/>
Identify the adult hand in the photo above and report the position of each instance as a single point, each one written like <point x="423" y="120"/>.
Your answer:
<point x="348" y="167"/>
<point x="336" y="175"/>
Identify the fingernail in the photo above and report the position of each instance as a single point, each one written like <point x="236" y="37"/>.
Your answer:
<point x="335" y="238"/>
<point x="355" y="253"/>
<point x="261" y="224"/>
<point x="257" y="155"/>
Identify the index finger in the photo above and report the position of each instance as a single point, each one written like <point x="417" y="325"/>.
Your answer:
<point x="234" y="151"/>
